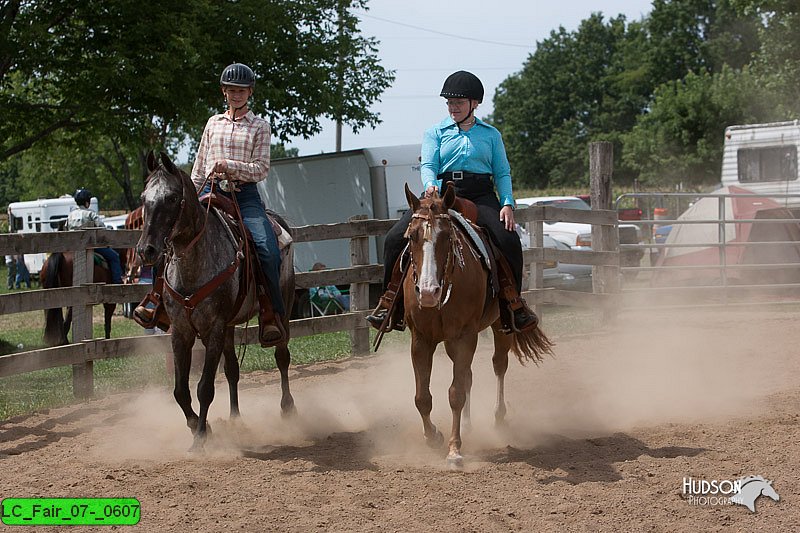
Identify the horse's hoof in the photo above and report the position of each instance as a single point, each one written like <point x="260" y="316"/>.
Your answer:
<point x="198" y="446"/>
<point x="288" y="411"/>
<point x="436" y="441"/>
<point x="455" y="462"/>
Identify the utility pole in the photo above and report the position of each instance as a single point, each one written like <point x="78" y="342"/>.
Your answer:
<point x="340" y="75"/>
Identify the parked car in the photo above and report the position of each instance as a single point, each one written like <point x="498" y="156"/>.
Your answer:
<point x="577" y="235"/>
<point x="558" y="275"/>
<point x="581" y="274"/>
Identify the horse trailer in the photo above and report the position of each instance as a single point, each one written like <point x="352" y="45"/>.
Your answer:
<point x="44" y="215"/>
<point x="333" y="187"/>
<point x="763" y="159"/>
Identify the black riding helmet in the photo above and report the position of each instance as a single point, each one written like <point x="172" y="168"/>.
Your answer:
<point x="463" y="84"/>
<point x="238" y="75"/>
<point x="82" y="197"/>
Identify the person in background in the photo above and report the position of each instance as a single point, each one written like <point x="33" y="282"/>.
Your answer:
<point x="84" y="218"/>
<point x="328" y="292"/>
<point x="23" y="275"/>
<point x="11" y="265"/>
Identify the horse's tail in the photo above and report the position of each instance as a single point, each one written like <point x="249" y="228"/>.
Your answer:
<point x="51" y="269"/>
<point x="531" y="345"/>
<point x="53" y="318"/>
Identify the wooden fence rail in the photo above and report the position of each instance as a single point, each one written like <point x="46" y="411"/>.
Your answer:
<point x="359" y="275"/>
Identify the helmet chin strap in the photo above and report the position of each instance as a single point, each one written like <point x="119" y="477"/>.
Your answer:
<point x="470" y="114"/>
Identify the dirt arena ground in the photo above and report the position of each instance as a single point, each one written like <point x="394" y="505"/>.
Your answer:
<point x="600" y="438"/>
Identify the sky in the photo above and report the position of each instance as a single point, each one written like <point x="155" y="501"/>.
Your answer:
<point x="424" y="41"/>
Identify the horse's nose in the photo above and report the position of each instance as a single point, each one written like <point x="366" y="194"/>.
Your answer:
<point x="148" y="254"/>
<point x="429" y="295"/>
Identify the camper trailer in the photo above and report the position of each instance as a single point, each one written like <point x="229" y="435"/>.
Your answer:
<point x="330" y="188"/>
<point x="41" y="216"/>
<point x="763" y="159"/>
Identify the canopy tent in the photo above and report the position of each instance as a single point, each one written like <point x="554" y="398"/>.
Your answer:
<point x="707" y="237"/>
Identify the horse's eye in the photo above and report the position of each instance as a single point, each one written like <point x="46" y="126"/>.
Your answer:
<point x="173" y="198"/>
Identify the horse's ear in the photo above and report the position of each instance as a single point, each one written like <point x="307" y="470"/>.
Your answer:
<point x="413" y="201"/>
<point x="449" y="197"/>
<point x="152" y="164"/>
<point x="168" y="164"/>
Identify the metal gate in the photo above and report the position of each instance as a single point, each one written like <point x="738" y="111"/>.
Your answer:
<point x="714" y="249"/>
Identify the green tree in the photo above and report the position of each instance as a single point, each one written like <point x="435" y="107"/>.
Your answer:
<point x="130" y="75"/>
<point x="680" y="139"/>
<point x="776" y="65"/>
<point x="573" y="88"/>
<point x="596" y="82"/>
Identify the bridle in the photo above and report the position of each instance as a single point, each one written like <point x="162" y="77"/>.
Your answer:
<point x="455" y="255"/>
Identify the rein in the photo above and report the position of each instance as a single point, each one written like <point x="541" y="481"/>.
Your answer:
<point x="454" y="254"/>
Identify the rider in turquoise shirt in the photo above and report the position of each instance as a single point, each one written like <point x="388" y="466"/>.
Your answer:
<point x="480" y="151"/>
<point x="469" y="155"/>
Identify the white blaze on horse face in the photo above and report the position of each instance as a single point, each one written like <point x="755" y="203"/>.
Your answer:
<point x="430" y="290"/>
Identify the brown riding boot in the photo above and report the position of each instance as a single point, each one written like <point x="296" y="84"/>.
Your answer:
<point x="518" y="317"/>
<point x="378" y="316"/>
<point x="270" y="325"/>
<point x="150" y="313"/>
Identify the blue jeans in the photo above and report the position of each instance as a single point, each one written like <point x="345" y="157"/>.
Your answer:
<point x="112" y="257"/>
<point x="255" y="218"/>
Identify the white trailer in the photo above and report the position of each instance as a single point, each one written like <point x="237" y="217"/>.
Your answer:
<point x="330" y="188"/>
<point x="41" y="216"/>
<point x="763" y="158"/>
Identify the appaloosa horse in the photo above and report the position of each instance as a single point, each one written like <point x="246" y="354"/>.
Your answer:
<point x="446" y="300"/>
<point x="57" y="272"/>
<point x="202" y="256"/>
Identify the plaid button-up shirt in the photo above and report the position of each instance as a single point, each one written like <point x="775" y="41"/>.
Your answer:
<point x="243" y="144"/>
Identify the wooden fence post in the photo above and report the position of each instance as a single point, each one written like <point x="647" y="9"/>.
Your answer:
<point x="605" y="279"/>
<point x="82" y="373"/>
<point x="536" y="270"/>
<point x="359" y="292"/>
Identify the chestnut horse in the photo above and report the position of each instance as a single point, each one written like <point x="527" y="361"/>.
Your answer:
<point x="57" y="272"/>
<point x="446" y="300"/>
<point x="201" y="255"/>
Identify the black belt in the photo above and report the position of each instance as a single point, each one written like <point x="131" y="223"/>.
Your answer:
<point x="459" y="175"/>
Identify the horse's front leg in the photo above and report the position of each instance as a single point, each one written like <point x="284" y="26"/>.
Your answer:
<point x="461" y="352"/>
<point x="182" y="359"/>
<point x="465" y="413"/>
<point x="502" y="345"/>
<point x="205" y="387"/>
<point x="282" y="360"/>
<point x="422" y="361"/>
<point x="232" y="371"/>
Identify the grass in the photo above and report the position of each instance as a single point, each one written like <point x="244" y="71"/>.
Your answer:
<point x="34" y="391"/>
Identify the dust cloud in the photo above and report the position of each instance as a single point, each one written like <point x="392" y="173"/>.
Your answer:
<point x="645" y="370"/>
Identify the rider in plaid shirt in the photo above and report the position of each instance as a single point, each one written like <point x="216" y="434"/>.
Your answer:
<point x="235" y="147"/>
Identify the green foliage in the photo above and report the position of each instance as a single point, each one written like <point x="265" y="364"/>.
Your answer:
<point x="680" y="140"/>
<point x="662" y="90"/>
<point x="111" y="80"/>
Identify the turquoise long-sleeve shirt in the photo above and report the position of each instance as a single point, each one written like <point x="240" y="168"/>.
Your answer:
<point x="480" y="150"/>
